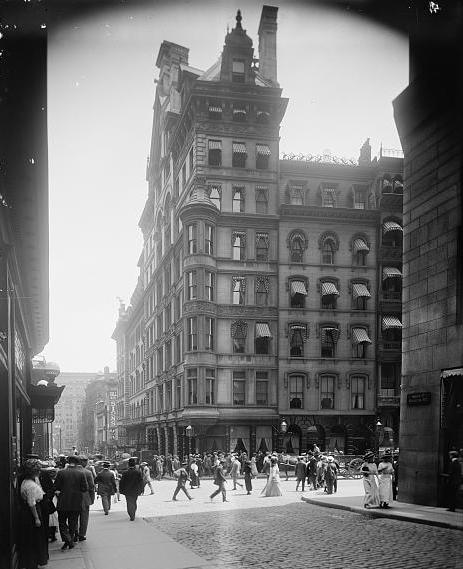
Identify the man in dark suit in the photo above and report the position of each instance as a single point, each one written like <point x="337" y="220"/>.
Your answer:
<point x="106" y="486"/>
<point x="131" y="485"/>
<point x="220" y="481"/>
<point x="70" y="484"/>
<point x="87" y="500"/>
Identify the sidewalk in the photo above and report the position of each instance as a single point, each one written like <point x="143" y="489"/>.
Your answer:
<point x="116" y="543"/>
<point x="351" y="499"/>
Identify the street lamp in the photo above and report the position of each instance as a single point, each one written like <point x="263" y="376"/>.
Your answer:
<point x="189" y="434"/>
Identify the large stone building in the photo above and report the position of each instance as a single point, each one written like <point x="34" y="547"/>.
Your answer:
<point x="269" y="289"/>
<point x="430" y="123"/>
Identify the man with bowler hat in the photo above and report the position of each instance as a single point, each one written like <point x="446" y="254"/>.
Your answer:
<point x="131" y="485"/>
<point x="106" y="486"/>
<point x="88" y="498"/>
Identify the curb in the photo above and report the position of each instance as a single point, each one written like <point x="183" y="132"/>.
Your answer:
<point x="379" y="514"/>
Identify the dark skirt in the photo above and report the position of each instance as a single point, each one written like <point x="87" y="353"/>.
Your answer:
<point x="247" y="482"/>
<point x="33" y="540"/>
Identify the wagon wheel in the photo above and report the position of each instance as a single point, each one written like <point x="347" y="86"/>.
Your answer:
<point x="354" y="468"/>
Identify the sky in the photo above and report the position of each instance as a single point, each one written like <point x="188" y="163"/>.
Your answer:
<point x="339" y="71"/>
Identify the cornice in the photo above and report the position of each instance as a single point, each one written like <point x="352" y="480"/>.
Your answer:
<point x="235" y="311"/>
<point x="337" y="214"/>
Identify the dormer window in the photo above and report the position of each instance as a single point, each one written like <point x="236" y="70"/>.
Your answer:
<point x="238" y="71"/>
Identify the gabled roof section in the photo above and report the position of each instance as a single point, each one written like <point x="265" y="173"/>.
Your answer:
<point x="213" y="73"/>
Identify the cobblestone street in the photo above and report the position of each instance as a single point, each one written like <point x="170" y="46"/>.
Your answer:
<point x="302" y="536"/>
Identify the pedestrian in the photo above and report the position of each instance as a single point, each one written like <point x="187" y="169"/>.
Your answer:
<point x="254" y="470"/>
<point x="331" y="475"/>
<point x="312" y="470"/>
<point x="131" y="485"/>
<point x="106" y="486"/>
<point x="169" y="469"/>
<point x="248" y="475"/>
<point x="285" y="463"/>
<point x="454" y="480"/>
<point x="395" y="480"/>
<point x="194" y="474"/>
<point x="385" y="475"/>
<point x="235" y="468"/>
<point x="266" y="464"/>
<point x="88" y="498"/>
<point x="117" y="477"/>
<point x="273" y="488"/>
<point x="176" y="464"/>
<point x="370" y="484"/>
<point x="159" y="468"/>
<point x="145" y="471"/>
<point x="182" y="478"/>
<point x="33" y="544"/>
<point x="70" y="485"/>
<point x="220" y="481"/>
<point x="300" y="472"/>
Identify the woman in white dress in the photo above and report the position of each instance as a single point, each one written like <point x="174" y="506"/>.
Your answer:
<point x="272" y="488"/>
<point x="386" y="472"/>
<point x="370" y="484"/>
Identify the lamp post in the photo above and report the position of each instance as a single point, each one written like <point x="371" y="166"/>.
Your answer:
<point x="282" y="431"/>
<point x="378" y="430"/>
<point x="189" y="434"/>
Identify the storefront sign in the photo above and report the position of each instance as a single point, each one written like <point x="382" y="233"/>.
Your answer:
<point x="420" y="398"/>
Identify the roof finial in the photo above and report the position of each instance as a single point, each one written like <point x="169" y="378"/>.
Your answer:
<point x="238" y="19"/>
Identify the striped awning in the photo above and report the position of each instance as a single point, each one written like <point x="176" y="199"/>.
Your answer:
<point x="265" y="113"/>
<point x="360" y="336"/>
<point x="239" y="111"/>
<point x="263" y="149"/>
<point x="391" y="226"/>
<point x="391" y="273"/>
<point x="329" y="335"/>
<point x="359" y="289"/>
<point x="215" y="109"/>
<point x="298" y="287"/>
<point x="452" y="372"/>
<point x="239" y="147"/>
<point x="263" y="330"/>
<point x="398" y="184"/>
<point x="215" y="145"/>
<point x="329" y="289"/>
<point x="389" y="322"/>
<point x="360" y="245"/>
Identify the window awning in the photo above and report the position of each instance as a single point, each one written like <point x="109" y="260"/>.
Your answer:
<point x="360" y="336"/>
<point x="263" y="330"/>
<point x="262" y="237"/>
<point x="389" y="322"/>
<point x="298" y="287"/>
<point x="215" y="145"/>
<point x="263" y="149"/>
<point x="265" y="113"/>
<point x="391" y="272"/>
<point x="398" y="184"/>
<point x="215" y="109"/>
<point x="297" y="333"/>
<point x="452" y="372"/>
<point x="360" y="245"/>
<point x="239" y="111"/>
<point x="239" y="147"/>
<point x="329" y="289"/>
<point x="359" y="289"/>
<point x="329" y="335"/>
<point x="391" y="226"/>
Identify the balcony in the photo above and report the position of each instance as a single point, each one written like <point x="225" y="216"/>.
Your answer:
<point x="388" y="398"/>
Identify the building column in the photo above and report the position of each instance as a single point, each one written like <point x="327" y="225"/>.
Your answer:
<point x="166" y="441"/>
<point x="175" y="437"/>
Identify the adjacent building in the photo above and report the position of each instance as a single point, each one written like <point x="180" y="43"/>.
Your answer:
<point x="269" y="288"/>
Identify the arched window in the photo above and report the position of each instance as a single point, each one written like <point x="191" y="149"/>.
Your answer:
<point x="328" y="252"/>
<point x="262" y="290"/>
<point x="327" y="383"/>
<point x="329" y="338"/>
<point x="297" y="337"/>
<point x="360" y="342"/>
<point x="296" y="391"/>
<point x="360" y="250"/>
<point x="297" y="246"/>
<point x="392" y="233"/>
<point x="297" y="292"/>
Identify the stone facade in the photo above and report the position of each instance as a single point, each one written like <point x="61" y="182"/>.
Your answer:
<point x="262" y="279"/>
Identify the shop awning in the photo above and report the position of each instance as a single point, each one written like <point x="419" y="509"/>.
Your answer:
<point x="298" y="287"/>
<point x="360" y="245"/>
<point x="452" y="372"/>
<point x="359" y="289"/>
<point x="391" y="226"/>
<point x="263" y="330"/>
<point x="263" y="149"/>
<point x="215" y="145"/>
<point x="391" y="273"/>
<point x="360" y="336"/>
<point x="239" y="148"/>
<point x="329" y="335"/>
<point x="389" y="322"/>
<point x="329" y="289"/>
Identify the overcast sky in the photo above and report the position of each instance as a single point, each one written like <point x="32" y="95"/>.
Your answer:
<point x="340" y="73"/>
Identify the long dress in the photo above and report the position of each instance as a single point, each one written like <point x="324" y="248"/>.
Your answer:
<point x="254" y="471"/>
<point x="33" y="540"/>
<point x="272" y="488"/>
<point x="370" y="474"/>
<point x="386" y="471"/>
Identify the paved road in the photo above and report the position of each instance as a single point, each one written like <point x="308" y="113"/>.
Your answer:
<point x="302" y="536"/>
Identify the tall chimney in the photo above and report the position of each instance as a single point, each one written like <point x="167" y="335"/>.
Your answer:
<point x="268" y="43"/>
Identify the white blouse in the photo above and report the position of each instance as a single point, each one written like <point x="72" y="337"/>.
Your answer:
<point x="31" y="492"/>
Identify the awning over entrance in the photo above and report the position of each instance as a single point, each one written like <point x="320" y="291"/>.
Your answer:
<point x="452" y="372"/>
